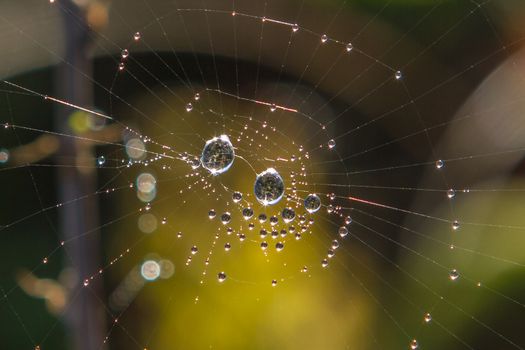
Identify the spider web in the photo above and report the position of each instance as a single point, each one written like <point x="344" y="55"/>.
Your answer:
<point x="403" y="118"/>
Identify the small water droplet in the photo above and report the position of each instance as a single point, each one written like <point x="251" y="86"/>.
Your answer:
<point x="439" y="164"/>
<point x="274" y="283"/>
<point x="455" y="225"/>
<point x="331" y="144"/>
<point x="349" y="47"/>
<point x="427" y="318"/>
<point x="288" y="215"/>
<point x="414" y="344"/>
<point x="226" y="218"/>
<point x="212" y="213"/>
<point x="343" y="231"/>
<point x="312" y="203"/>
<point x="295" y="27"/>
<point x="124" y="54"/>
<point x="194" y="250"/>
<point x="279" y="246"/>
<point x="137" y="36"/>
<point x="247" y="213"/>
<point x="227" y="247"/>
<point x="262" y="218"/>
<point x="189" y="107"/>
<point x="236" y="197"/>
<point x="101" y="160"/>
<point x="221" y="276"/>
<point x="398" y="75"/>
<point x="451" y="193"/>
<point x="324" y="38"/>
<point x="453" y="275"/>
<point x="324" y="263"/>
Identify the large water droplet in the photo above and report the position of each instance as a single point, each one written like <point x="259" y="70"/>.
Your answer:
<point x="269" y="187"/>
<point x="218" y="155"/>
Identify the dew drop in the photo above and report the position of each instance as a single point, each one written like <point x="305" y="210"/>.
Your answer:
<point x="221" y="276"/>
<point x="274" y="283"/>
<point x="212" y="213"/>
<point x="451" y="193"/>
<point x="217" y="155"/>
<point x="262" y="218"/>
<point x="331" y="144"/>
<point x="247" y="213"/>
<point x="453" y="275"/>
<point x="197" y="96"/>
<point x="101" y="160"/>
<point x="195" y="163"/>
<point x="273" y="108"/>
<point x="455" y="225"/>
<point x="226" y="218"/>
<point x="439" y="164"/>
<point x="274" y="220"/>
<point x="335" y="244"/>
<point x="348" y="220"/>
<point x="343" y="231"/>
<point x="264" y="245"/>
<point x="189" y="107"/>
<point x="312" y="203"/>
<point x="137" y="36"/>
<point x="121" y="66"/>
<point x="124" y="53"/>
<point x="236" y="197"/>
<point x="414" y="344"/>
<point x="269" y="187"/>
<point x="324" y="263"/>
<point x="349" y="47"/>
<point x="398" y="75"/>
<point x="279" y="246"/>
<point x="288" y="215"/>
<point x="194" y="250"/>
<point x="427" y="318"/>
<point x="227" y="247"/>
<point x="324" y="38"/>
